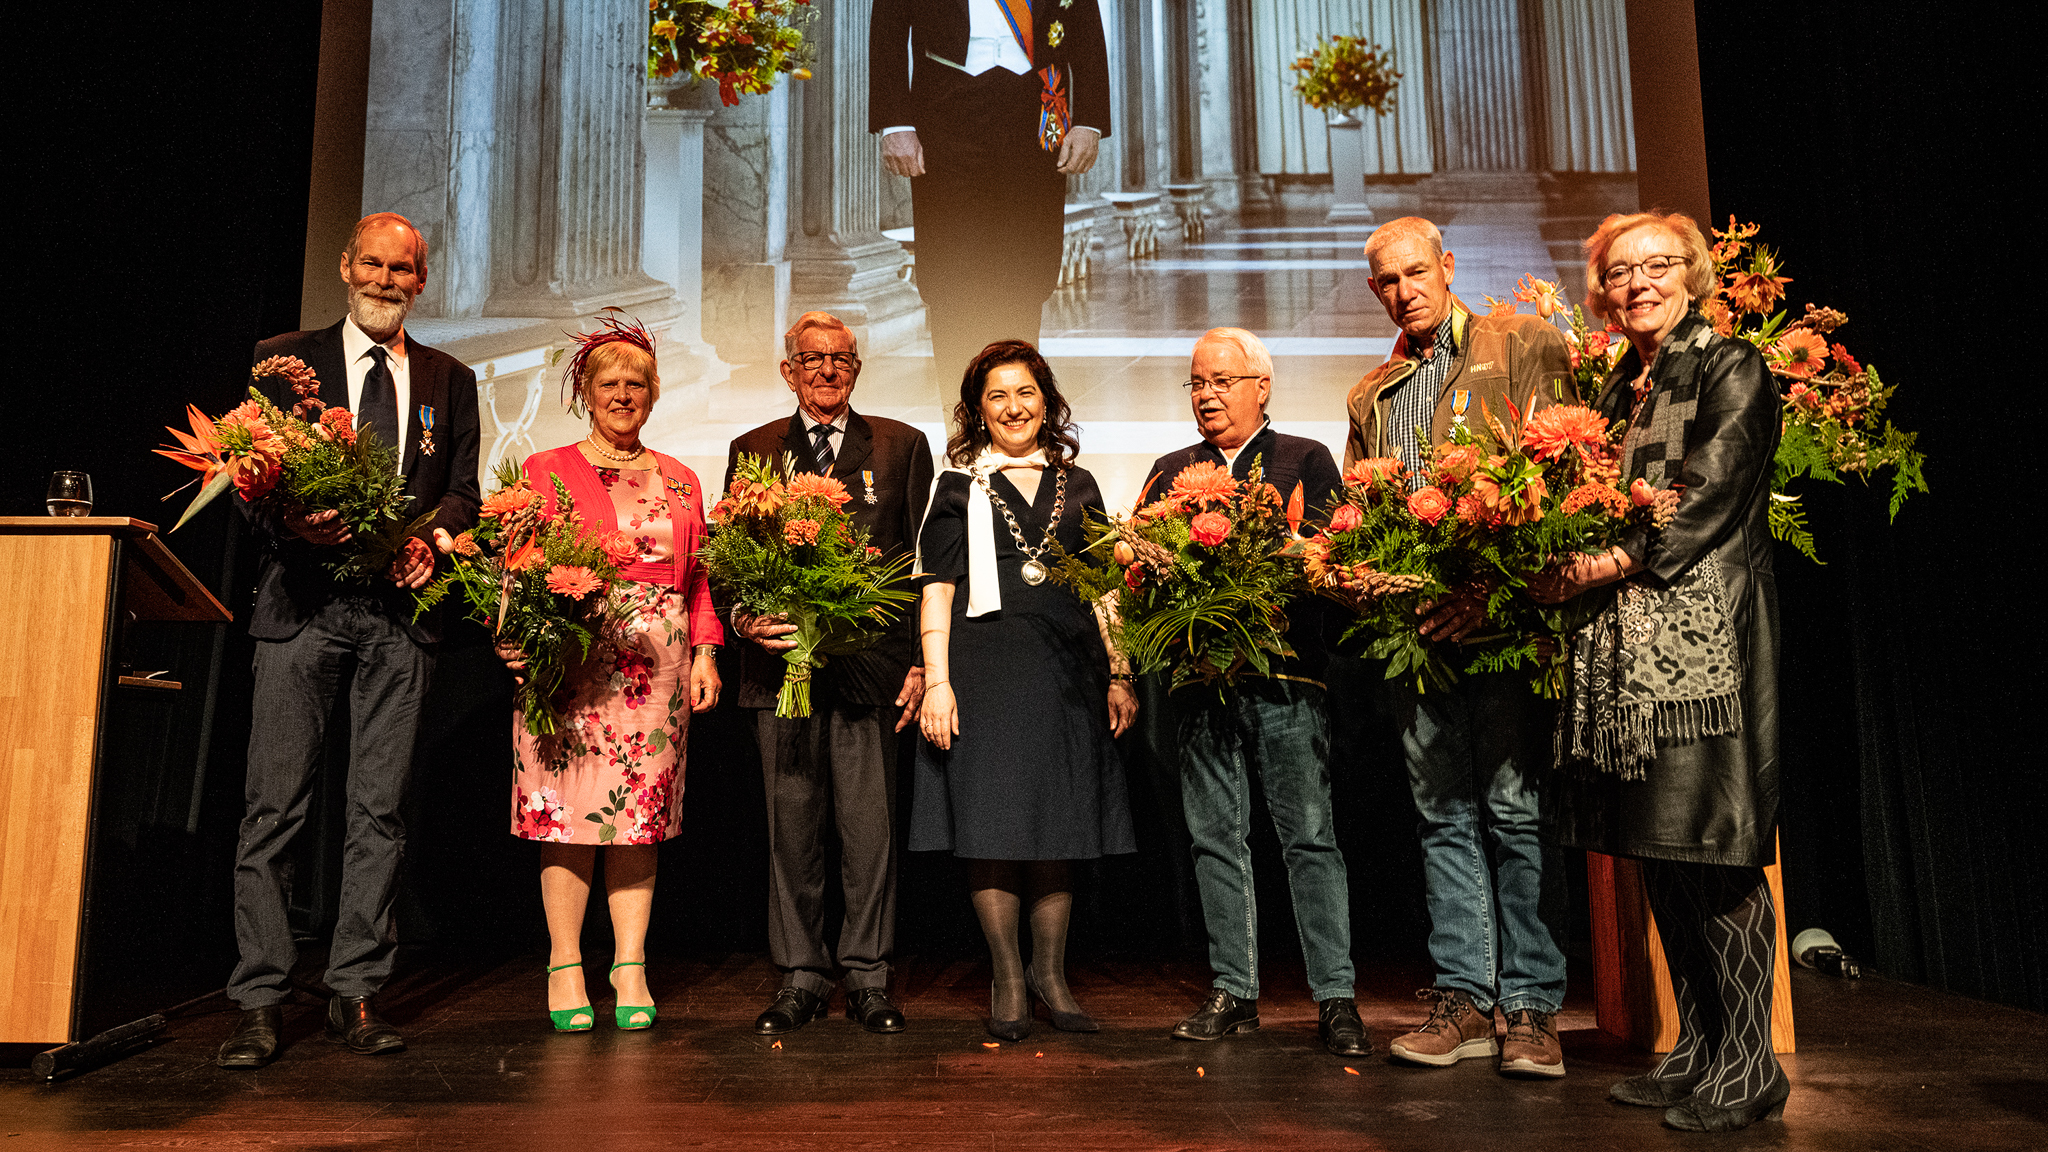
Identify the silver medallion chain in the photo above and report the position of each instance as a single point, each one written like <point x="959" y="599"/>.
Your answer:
<point x="1033" y="572"/>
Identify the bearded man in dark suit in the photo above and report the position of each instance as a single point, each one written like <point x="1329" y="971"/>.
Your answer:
<point x="988" y="106"/>
<point x="839" y="763"/>
<point x="316" y="639"/>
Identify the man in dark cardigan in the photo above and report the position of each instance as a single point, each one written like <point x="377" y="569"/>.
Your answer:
<point x="1272" y="729"/>
<point x="840" y="762"/>
<point x="316" y="639"/>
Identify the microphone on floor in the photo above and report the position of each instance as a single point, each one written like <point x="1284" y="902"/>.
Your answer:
<point x="1815" y="948"/>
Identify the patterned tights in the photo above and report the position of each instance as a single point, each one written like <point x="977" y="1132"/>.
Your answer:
<point x="1720" y="937"/>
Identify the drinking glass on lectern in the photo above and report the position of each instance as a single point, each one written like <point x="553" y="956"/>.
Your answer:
<point x="70" y="494"/>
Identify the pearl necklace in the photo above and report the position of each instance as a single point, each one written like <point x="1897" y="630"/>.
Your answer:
<point x="614" y="457"/>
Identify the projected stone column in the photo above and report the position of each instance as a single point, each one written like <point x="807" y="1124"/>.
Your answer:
<point x="566" y="227"/>
<point x="1486" y="157"/>
<point x="839" y="261"/>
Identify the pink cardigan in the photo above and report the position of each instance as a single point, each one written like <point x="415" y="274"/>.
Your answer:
<point x="685" y="509"/>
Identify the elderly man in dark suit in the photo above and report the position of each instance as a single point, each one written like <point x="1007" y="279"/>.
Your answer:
<point x="840" y="762"/>
<point x="988" y="105"/>
<point x="316" y="639"/>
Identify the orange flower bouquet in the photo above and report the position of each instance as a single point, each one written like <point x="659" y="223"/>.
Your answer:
<point x="1200" y="576"/>
<point x="789" y="548"/>
<point x="1495" y="506"/>
<point x="310" y="459"/>
<point x="540" y="581"/>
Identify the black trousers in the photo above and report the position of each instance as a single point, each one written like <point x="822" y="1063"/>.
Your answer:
<point x="837" y="764"/>
<point x="297" y="681"/>
<point x="989" y="211"/>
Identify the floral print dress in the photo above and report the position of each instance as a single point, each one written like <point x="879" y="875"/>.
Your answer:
<point x="614" y="773"/>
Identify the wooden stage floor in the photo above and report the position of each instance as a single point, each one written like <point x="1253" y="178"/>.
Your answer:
<point x="1882" y="1066"/>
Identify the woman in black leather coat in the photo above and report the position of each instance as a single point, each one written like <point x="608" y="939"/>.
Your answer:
<point x="1670" y="733"/>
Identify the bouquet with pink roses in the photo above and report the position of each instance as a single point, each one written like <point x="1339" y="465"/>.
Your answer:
<point x="789" y="547"/>
<point x="539" y="579"/>
<point x="1200" y="576"/>
<point x="1498" y="504"/>
<point x="310" y="459"/>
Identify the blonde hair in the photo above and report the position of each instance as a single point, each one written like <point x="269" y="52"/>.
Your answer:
<point x="1699" y="260"/>
<point x="617" y="354"/>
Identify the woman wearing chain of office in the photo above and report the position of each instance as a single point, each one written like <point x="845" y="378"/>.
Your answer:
<point x="1018" y="773"/>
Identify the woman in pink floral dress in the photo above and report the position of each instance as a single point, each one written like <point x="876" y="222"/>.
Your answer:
<point x="613" y="776"/>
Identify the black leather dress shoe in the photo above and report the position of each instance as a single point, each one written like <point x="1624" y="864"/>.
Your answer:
<point x="870" y="1008"/>
<point x="1219" y="1017"/>
<point x="791" y="1009"/>
<point x="1342" y="1031"/>
<point x="254" y="1042"/>
<point x="354" y="1024"/>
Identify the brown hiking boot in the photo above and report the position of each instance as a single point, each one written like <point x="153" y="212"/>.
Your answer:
<point x="1455" y="1030"/>
<point x="1531" y="1047"/>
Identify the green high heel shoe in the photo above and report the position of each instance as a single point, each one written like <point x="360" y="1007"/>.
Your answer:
<point x="622" y="1014"/>
<point x="565" y="1020"/>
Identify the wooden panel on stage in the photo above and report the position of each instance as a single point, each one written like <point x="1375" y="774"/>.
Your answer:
<point x="62" y="585"/>
<point x="1632" y="981"/>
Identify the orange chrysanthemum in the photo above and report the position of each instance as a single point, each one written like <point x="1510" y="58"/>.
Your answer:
<point x="1204" y="483"/>
<point x="506" y="501"/>
<point x="568" y="581"/>
<point x="1556" y="430"/>
<point x="1376" y="468"/>
<point x="1800" y="354"/>
<point x="824" y="487"/>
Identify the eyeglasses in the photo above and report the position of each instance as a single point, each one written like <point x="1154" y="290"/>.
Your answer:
<point x="1655" y="268"/>
<point x="812" y="361"/>
<point x="1221" y="385"/>
<point x="611" y="387"/>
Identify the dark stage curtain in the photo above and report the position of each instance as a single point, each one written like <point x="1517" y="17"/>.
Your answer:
<point x="1882" y="147"/>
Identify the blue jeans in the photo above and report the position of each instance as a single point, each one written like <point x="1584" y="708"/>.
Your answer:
<point x="1278" y="729"/>
<point x="1475" y="769"/>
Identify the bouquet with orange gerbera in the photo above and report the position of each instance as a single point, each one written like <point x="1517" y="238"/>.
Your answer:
<point x="1496" y="505"/>
<point x="1833" y="405"/>
<point x="1200" y="576"/>
<point x="310" y="459"/>
<point x="540" y="580"/>
<point x="789" y="548"/>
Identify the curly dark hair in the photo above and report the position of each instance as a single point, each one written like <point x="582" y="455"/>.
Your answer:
<point x="1056" y="435"/>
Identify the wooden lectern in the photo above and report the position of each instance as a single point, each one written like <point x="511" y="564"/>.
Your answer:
<point x="68" y="589"/>
<point x="1632" y="982"/>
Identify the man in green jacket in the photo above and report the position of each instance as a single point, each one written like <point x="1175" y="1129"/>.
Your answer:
<point x="1474" y="751"/>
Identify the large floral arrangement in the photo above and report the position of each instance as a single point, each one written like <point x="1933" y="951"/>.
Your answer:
<point x="310" y="459"/>
<point x="1200" y="576"/>
<point x="1834" y="405"/>
<point x="1497" y="504"/>
<point x="1345" y="73"/>
<point x="539" y="580"/>
<point x="743" y="45"/>
<point x="789" y="548"/>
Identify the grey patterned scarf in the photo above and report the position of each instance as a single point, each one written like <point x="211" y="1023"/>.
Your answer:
<point x="1655" y="662"/>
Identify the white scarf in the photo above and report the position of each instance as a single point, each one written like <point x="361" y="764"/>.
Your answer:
<point x="984" y="589"/>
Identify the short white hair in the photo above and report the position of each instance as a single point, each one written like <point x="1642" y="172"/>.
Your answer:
<point x="1256" y="359"/>
<point x="811" y="320"/>
<point x="1406" y="228"/>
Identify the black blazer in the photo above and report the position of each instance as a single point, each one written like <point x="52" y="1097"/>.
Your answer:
<point x="292" y="584"/>
<point x="940" y="27"/>
<point x="891" y="461"/>
<point x="1284" y="461"/>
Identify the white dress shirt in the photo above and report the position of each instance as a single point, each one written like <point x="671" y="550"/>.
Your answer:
<point x="355" y="352"/>
<point x="838" y="437"/>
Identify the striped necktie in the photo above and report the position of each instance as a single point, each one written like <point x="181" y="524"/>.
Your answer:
<point x="822" y="449"/>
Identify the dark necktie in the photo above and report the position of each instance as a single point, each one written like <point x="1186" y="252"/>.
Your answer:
<point x="380" y="399"/>
<point x="822" y="450"/>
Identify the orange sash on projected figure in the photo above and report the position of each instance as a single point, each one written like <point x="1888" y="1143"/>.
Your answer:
<point x="1054" y="117"/>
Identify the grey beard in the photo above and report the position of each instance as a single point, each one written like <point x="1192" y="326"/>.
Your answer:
<point x="374" y="315"/>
